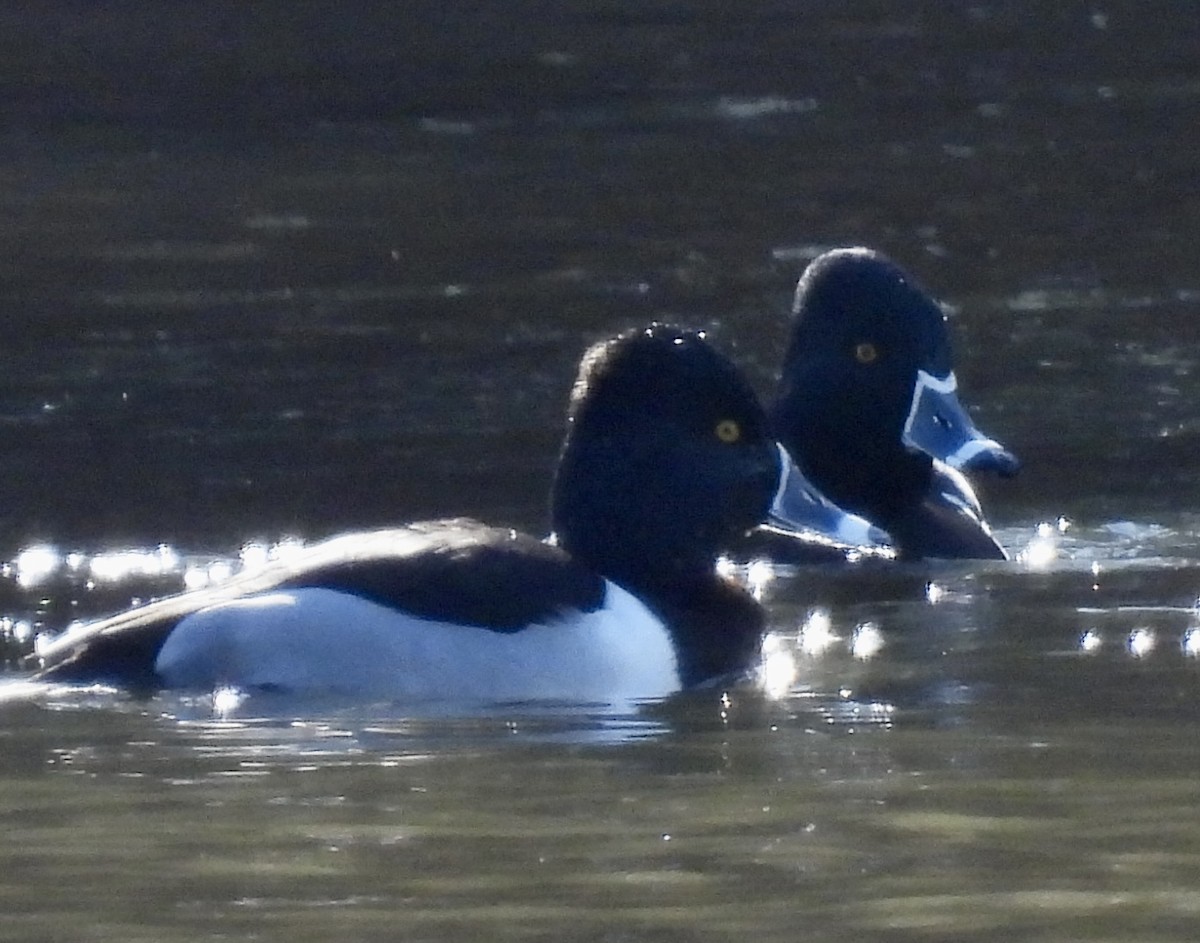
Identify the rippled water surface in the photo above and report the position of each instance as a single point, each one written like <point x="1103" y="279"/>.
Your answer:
<point x="270" y="273"/>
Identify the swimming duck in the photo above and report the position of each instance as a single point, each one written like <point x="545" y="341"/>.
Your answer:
<point x="868" y="408"/>
<point x="667" y="455"/>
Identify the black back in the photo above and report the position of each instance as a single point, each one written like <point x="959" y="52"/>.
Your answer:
<point x="453" y="571"/>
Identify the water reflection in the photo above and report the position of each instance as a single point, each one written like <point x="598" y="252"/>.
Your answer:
<point x="867" y="641"/>
<point x="1041" y="552"/>
<point x="863" y="625"/>
<point x="1090" y="641"/>
<point x="948" y="724"/>
<point x="1141" y="642"/>
<point x="38" y="564"/>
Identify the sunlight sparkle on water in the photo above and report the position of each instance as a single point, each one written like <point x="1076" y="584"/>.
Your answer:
<point x="1090" y="641"/>
<point x="867" y="641"/>
<point x="36" y="564"/>
<point x="817" y="635"/>
<point x="257" y="553"/>
<point x="118" y="565"/>
<point x="19" y="630"/>
<point x="254" y="555"/>
<point x="226" y="700"/>
<point x="777" y="669"/>
<point x="43" y="639"/>
<point x="1191" y="642"/>
<point x="1141" y="642"/>
<point x="1043" y="549"/>
<point x="195" y="577"/>
<point x="756" y="575"/>
<point x="759" y="575"/>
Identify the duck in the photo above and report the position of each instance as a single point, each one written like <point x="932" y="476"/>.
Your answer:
<point x="867" y="407"/>
<point x="667" y="454"/>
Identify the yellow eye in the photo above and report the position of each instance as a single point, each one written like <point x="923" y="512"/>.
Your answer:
<point x="866" y="352"/>
<point x="728" y="431"/>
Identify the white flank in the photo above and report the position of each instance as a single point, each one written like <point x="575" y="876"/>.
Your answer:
<point x="322" y="641"/>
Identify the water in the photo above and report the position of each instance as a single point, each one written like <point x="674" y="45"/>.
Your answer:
<point x="271" y="275"/>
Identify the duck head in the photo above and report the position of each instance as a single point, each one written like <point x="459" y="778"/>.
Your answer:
<point x="868" y="400"/>
<point x="668" y="456"/>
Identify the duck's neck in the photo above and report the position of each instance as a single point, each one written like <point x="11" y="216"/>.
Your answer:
<point x="870" y="474"/>
<point x="880" y="483"/>
<point x="717" y="626"/>
<point x="643" y="544"/>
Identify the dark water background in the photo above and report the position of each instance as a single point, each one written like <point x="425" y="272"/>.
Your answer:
<point x="279" y="270"/>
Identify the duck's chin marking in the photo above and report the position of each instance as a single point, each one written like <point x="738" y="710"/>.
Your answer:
<point x="321" y="641"/>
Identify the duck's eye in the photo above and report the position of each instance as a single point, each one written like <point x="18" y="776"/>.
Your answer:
<point x="728" y="431"/>
<point x="866" y="352"/>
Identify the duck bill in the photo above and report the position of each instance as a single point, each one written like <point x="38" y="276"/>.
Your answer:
<point x="938" y="425"/>
<point x="799" y="506"/>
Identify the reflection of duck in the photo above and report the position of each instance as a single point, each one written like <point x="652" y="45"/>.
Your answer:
<point x="667" y="456"/>
<point x="867" y="407"/>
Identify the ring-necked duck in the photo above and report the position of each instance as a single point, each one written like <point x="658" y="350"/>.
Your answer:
<point x="667" y="456"/>
<point x="867" y="406"/>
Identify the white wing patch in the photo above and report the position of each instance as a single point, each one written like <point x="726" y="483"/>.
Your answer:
<point x="322" y="641"/>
